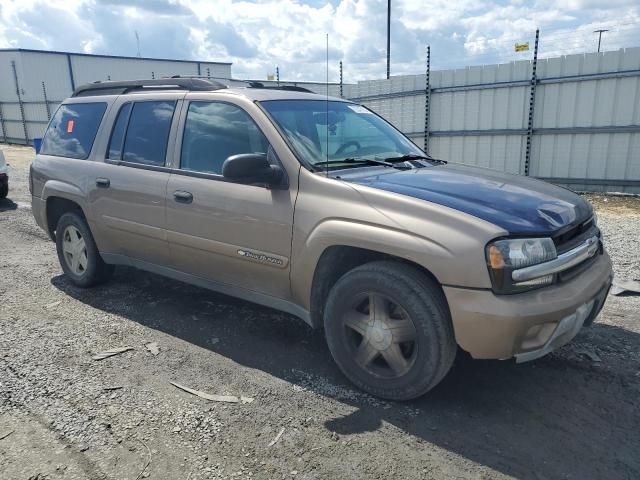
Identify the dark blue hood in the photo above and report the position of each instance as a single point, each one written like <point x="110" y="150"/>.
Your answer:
<point x="520" y="205"/>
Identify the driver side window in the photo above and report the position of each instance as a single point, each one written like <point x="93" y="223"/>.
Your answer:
<point x="214" y="131"/>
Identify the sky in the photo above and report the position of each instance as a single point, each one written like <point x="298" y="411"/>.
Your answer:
<point x="258" y="35"/>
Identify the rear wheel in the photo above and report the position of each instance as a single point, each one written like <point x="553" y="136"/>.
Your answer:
<point x="389" y="330"/>
<point x="78" y="253"/>
<point x="4" y="190"/>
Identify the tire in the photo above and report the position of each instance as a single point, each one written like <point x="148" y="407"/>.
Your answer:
<point x="74" y="241"/>
<point x="4" y="190"/>
<point x="426" y="342"/>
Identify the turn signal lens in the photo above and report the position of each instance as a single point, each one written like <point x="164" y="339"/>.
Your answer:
<point x="495" y="258"/>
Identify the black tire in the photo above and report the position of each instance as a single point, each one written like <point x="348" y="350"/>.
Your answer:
<point x="421" y="300"/>
<point x="4" y="190"/>
<point x="96" y="270"/>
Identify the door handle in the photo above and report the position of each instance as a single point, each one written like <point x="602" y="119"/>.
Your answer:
<point x="103" y="182"/>
<point x="182" y="196"/>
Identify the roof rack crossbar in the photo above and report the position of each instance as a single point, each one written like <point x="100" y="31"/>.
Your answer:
<point x="251" y="83"/>
<point x="290" y="88"/>
<point x="122" y="87"/>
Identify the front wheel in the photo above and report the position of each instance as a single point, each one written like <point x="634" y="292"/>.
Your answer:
<point x="78" y="253"/>
<point x="389" y="330"/>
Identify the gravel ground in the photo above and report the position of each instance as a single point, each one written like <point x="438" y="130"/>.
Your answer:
<point x="572" y="415"/>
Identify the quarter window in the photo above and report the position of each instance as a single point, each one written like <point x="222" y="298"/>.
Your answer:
<point x="147" y="133"/>
<point x="73" y="129"/>
<point x="214" y="131"/>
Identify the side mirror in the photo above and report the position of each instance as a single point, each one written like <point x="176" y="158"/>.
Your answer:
<point x="251" y="168"/>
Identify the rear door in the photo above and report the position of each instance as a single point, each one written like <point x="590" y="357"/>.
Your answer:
<point x="128" y="193"/>
<point x="233" y="234"/>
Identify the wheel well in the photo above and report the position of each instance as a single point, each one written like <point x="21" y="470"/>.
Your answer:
<point x="56" y="207"/>
<point x="337" y="260"/>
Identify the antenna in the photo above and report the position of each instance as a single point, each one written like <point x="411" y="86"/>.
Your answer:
<point x="327" y="118"/>
<point x="138" y="43"/>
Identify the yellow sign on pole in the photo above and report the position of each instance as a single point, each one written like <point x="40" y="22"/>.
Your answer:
<point x="522" y="47"/>
<point x="270" y="76"/>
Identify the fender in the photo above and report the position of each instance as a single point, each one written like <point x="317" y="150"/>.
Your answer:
<point x="383" y="239"/>
<point x="56" y="188"/>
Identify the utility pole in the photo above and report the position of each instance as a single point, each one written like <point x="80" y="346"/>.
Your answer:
<point x="388" y="38"/>
<point x="600" y="32"/>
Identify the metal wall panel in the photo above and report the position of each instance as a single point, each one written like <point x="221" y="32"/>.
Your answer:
<point x="7" y="85"/>
<point x="500" y="152"/>
<point x="214" y="70"/>
<point x="479" y="116"/>
<point x="35" y="68"/>
<point x="89" y="69"/>
<point x="604" y="102"/>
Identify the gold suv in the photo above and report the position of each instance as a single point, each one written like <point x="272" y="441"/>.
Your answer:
<point x="318" y="207"/>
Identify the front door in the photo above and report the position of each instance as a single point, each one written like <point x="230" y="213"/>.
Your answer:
<point x="233" y="234"/>
<point x="238" y="235"/>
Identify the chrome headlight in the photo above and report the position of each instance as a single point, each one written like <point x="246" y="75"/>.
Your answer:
<point x="505" y="256"/>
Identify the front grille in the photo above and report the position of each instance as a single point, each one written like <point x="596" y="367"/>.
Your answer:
<point x="577" y="269"/>
<point x="575" y="236"/>
<point x="571" y="239"/>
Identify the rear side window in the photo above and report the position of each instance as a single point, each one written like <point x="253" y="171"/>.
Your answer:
<point x="214" y="131"/>
<point x="73" y="129"/>
<point x="147" y="132"/>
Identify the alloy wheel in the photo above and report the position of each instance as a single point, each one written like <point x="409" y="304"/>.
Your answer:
<point x="75" y="250"/>
<point x="381" y="336"/>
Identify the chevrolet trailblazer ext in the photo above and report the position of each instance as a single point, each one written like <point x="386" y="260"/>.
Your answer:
<point x="320" y="208"/>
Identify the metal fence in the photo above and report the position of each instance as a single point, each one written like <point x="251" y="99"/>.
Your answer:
<point x="574" y="120"/>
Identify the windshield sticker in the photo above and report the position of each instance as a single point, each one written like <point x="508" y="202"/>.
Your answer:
<point x="358" y="109"/>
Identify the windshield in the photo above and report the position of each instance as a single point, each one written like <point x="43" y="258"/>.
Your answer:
<point x="348" y="131"/>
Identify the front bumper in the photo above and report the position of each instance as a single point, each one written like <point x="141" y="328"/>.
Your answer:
<point x="528" y="325"/>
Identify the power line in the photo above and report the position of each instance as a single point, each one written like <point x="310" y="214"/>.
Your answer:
<point x="548" y="35"/>
<point x="575" y="40"/>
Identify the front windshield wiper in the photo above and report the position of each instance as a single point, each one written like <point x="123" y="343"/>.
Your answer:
<point x="412" y="156"/>
<point x="369" y="161"/>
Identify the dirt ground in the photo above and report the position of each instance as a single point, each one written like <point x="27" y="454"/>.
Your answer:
<point x="574" y="414"/>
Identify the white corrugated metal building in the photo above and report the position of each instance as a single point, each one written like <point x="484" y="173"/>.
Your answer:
<point x="38" y="73"/>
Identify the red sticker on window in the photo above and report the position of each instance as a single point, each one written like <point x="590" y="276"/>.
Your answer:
<point x="70" y="124"/>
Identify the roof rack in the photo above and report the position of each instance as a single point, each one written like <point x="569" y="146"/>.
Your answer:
<point x="249" y="83"/>
<point x="290" y="88"/>
<point x="129" y="86"/>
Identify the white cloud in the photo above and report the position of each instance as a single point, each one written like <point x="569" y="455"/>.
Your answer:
<point x="258" y="35"/>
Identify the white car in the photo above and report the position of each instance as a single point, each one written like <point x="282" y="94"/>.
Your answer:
<point x="4" y="176"/>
